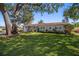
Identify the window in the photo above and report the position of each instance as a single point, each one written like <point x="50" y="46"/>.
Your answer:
<point x="60" y="27"/>
<point x="42" y="27"/>
<point x="55" y="27"/>
<point x="49" y="27"/>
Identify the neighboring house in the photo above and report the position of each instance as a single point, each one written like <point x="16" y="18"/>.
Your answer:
<point x="2" y="27"/>
<point x="45" y="27"/>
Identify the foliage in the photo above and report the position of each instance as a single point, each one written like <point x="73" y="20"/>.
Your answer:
<point x="68" y="28"/>
<point x="72" y="12"/>
<point x="65" y="20"/>
<point x="25" y="10"/>
<point x="41" y="21"/>
<point x="40" y="44"/>
<point x="41" y="7"/>
<point x="37" y="7"/>
<point x="76" y="24"/>
<point x="10" y="9"/>
<point x="27" y="15"/>
<point x="45" y="7"/>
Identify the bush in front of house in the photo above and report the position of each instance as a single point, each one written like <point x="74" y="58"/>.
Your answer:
<point x="68" y="28"/>
<point x="77" y="30"/>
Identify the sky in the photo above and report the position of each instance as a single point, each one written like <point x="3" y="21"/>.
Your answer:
<point x="47" y="18"/>
<point x="54" y="17"/>
<point x="1" y="20"/>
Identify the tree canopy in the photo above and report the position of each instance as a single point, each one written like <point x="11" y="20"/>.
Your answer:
<point x="72" y="12"/>
<point x="28" y="9"/>
<point x="41" y="7"/>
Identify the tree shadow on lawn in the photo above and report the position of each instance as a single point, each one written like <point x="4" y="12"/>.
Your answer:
<point x="40" y="45"/>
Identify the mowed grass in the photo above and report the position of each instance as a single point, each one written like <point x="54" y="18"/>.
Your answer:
<point x="40" y="44"/>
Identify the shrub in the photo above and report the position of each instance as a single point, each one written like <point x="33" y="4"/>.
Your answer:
<point x="68" y="28"/>
<point x="77" y="30"/>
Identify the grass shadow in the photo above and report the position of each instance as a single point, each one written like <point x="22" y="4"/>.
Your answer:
<point x="44" y="44"/>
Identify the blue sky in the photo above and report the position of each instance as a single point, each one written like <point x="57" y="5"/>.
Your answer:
<point x="1" y="20"/>
<point x="47" y="18"/>
<point x="54" y="17"/>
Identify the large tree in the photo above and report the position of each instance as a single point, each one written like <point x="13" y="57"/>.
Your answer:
<point x="41" y="7"/>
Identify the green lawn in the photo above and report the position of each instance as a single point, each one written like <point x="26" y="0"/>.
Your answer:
<point x="40" y="44"/>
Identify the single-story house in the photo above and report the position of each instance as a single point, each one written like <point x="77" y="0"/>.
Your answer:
<point x="45" y="27"/>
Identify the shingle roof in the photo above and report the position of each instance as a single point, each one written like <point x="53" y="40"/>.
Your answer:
<point x="49" y="24"/>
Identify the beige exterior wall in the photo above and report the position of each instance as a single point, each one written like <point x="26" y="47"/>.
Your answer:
<point x="51" y="28"/>
<point x="44" y="28"/>
<point x="60" y="28"/>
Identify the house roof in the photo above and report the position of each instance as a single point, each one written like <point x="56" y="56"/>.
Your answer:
<point x="49" y="24"/>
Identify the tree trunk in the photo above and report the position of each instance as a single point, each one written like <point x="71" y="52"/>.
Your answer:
<point x="6" y="19"/>
<point x="10" y="28"/>
<point x="7" y="23"/>
<point x="14" y="28"/>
